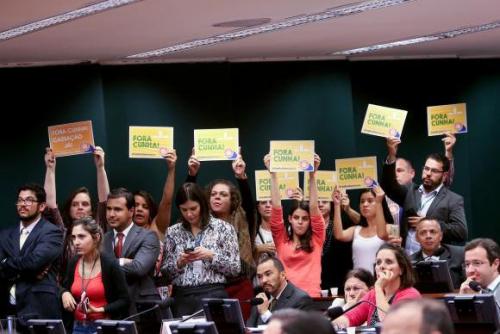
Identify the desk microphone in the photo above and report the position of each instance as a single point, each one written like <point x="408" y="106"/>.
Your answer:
<point x="335" y="312"/>
<point x="161" y="304"/>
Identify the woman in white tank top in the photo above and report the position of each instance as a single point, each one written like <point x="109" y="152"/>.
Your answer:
<point x="372" y="232"/>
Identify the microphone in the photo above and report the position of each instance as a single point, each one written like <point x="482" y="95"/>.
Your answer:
<point x="254" y="301"/>
<point x="335" y="312"/>
<point x="161" y="304"/>
<point x="477" y="287"/>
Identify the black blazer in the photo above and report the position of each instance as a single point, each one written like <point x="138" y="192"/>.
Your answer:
<point x="454" y="255"/>
<point x="115" y="287"/>
<point x="447" y="208"/>
<point x="32" y="270"/>
<point x="291" y="297"/>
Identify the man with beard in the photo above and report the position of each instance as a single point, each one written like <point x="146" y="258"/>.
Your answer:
<point x="27" y="254"/>
<point x="432" y="199"/>
<point x="278" y="292"/>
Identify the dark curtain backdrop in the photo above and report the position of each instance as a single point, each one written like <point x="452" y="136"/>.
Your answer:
<point x="324" y="101"/>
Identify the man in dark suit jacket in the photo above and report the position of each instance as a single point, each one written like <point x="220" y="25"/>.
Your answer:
<point x="431" y="199"/>
<point x="429" y="236"/>
<point x="135" y="247"/>
<point x="282" y="294"/>
<point x="27" y="254"/>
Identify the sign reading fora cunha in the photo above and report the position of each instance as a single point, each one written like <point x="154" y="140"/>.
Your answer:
<point x="71" y="138"/>
<point x="288" y="182"/>
<point x="383" y="121"/>
<point x="292" y="155"/>
<point x="446" y="118"/>
<point x="325" y="180"/>
<point x="356" y="173"/>
<point x="216" y="144"/>
<point x="150" y="142"/>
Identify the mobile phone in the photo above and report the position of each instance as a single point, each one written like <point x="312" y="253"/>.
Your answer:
<point x="188" y="249"/>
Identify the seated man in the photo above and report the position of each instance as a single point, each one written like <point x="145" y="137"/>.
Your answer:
<point x="429" y="236"/>
<point x="482" y="264"/>
<point x="282" y="294"/>
<point x="418" y="316"/>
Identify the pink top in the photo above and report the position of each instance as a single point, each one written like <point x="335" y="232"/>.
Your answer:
<point x="302" y="269"/>
<point x="94" y="291"/>
<point x="363" y="312"/>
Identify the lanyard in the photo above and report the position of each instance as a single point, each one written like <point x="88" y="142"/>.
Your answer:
<point x="84" y="299"/>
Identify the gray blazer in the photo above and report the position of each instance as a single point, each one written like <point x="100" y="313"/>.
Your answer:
<point x="143" y="247"/>
<point x="447" y="207"/>
<point x="291" y="297"/>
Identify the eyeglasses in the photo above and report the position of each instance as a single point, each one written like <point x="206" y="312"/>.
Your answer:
<point x="432" y="170"/>
<point x="474" y="264"/>
<point x="26" y="201"/>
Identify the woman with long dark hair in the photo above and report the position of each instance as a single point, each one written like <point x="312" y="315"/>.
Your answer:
<point x="372" y="231"/>
<point x="299" y="248"/>
<point x="395" y="280"/>
<point x="200" y="252"/>
<point x="94" y="286"/>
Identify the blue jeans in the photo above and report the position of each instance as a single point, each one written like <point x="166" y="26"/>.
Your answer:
<point x="87" y="327"/>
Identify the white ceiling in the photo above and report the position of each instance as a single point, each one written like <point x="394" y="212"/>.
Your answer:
<point x="110" y="36"/>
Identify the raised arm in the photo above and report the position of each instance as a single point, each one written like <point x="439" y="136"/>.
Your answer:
<point x="50" y="178"/>
<point x="102" y="176"/>
<point x="247" y="202"/>
<point x="379" y="213"/>
<point x="338" y="231"/>
<point x="345" y="204"/>
<point x="193" y="167"/>
<point x="275" y="191"/>
<point x="313" y="189"/>
<point x="389" y="181"/>
<point x="449" y="142"/>
<point x="162" y="220"/>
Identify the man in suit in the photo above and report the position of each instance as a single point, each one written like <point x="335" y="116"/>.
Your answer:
<point x="482" y="264"/>
<point x="432" y="199"/>
<point x="429" y="236"/>
<point x="28" y="252"/>
<point x="135" y="247"/>
<point x="282" y="294"/>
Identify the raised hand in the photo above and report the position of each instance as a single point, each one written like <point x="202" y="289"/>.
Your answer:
<point x="50" y="159"/>
<point x="239" y="166"/>
<point x="193" y="164"/>
<point x="99" y="157"/>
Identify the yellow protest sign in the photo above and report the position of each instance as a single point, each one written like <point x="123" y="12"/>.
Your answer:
<point x="326" y="181"/>
<point x="71" y="138"/>
<point x="292" y="155"/>
<point x="356" y="173"/>
<point x="383" y="121"/>
<point x="149" y="141"/>
<point x="288" y="182"/>
<point x="446" y="118"/>
<point x="216" y="144"/>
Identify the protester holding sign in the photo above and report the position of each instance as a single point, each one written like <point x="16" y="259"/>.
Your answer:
<point x="431" y="199"/>
<point x="371" y="233"/>
<point x="79" y="203"/>
<point x="299" y="248"/>
<point x="147" y="214"/>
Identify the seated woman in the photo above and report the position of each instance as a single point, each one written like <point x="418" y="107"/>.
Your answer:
<point x="200" y="251"/>
<point x="372" y="231"/>
<point x="299" y="248"/>
<point x="357" y="284"/>
<point x="395" y="280"/>
<point x="94" y="286"/>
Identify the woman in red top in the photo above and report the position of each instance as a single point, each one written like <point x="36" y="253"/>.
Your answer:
<point x="95" y="287"/>
<point x="299" y="248"/>
<point x="395" y="280"/>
